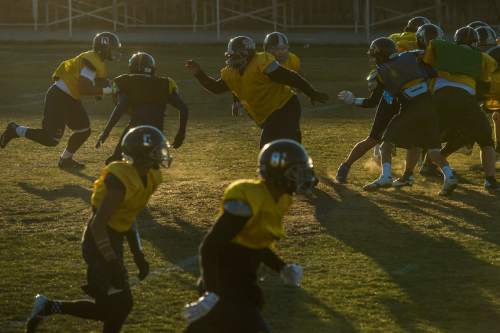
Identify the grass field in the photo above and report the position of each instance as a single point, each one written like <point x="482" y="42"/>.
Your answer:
<point x="393" y="261"/>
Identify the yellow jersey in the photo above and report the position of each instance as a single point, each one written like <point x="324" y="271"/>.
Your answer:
<point x="265" y="226"/>
<point x="492" y="97"/>
<point x="488" y="66"/>
<point x="69" y="70"/>
<point x="405" y="41"/>
<point x="257" y="93"/>
<point x="136" y="194"/>
<point x="292" y="62"/>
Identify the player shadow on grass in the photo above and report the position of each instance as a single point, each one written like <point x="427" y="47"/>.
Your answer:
<point x="52" y="194"/>
<point x="447" y="287"/>
<point x="174" y="237"/>
<point x="80" y="174"/>
<point x="477" y="217"/>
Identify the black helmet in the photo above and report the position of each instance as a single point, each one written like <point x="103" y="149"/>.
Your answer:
<point x="382" y="49"/>
<point x="275" y="40"/>
<point x="416" y="22"/>
<point x="142" y="63"/>
<point x="466" y="36"/>
<point x="146" y="146"/>
<point x="240" y="50"/>
<point x="494" y="52"/>
<point x="487" y="37"/>
<point x="104" y="43"/>
<point x="428" y="32"/>
<point x="286" y="164"/>
<point x="477" y="24"/>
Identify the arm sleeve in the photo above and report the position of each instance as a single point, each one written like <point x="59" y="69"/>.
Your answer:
<point x="271" y="260"/>
<point x="374" y="98"/>
<point x="120" y="108"/>
<point x="215" y="86"/>
<point x="176" y="101"/>
<point x="224" y="230"/>
<point x="290" y="78"/>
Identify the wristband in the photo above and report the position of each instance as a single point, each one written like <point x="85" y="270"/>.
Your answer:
<point x="358" y="101"/>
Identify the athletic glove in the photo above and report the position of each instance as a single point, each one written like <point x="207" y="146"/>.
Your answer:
<point x="142" y="265"/>
<point x="179" y="139"/>
<point x="346" y="96"/>
<point x="200" y="308"/>
<point x="317" y="96"/>
<point x="291" y="274"/>
<point x="101" y="139"/>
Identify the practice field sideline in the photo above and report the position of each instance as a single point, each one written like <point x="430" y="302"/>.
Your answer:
<point x="392" y="261"/>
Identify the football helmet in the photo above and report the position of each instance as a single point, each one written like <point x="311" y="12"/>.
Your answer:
<point x="466" y="36"/>
<point x="381" y="49"/>
<point x="487" y="37"/>
<point x="146" y="146"/>
<point x="105" y="43"/>
<point x="416" y="22"/>
<point x="477" y="24"/>
<point x="286" y="164"/>
<point x="142" y="63"/>
<point x="276" y="43"/>
<point x="494" y="52"/>
<point x="240" y="50"/>
<point x="428" y="32"/>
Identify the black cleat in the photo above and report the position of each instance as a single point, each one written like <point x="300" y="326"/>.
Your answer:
<point x="9" y="134"/>
<point x="70" y="164"/>
<point x="430" y="170"/>
<point x="342" y="173"/>
<point x="491" y="185"/>
<point x="37" y="313"/>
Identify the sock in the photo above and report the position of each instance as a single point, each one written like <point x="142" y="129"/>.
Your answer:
<point x="447" y="172"/>
<point x="52" y="307"/>
<point x="21" y="131"/>
<point x="386" y="170"/>
<point x="66" y="154"/>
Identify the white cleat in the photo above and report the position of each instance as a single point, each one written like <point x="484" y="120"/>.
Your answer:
<point x="36" y="313"/>
<point x="382" y="182"/>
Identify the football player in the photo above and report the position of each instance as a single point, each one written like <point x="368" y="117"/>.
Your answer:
<point x="275" y="43"/>
<point x="83" y="75"/>
<point x="264" y="88"/>
<point x="387" y="106"/>
<point x="416" y="125"/>
<point x="120" y="193"/>
<point x="144" y="95"/>
<point x="492" y="98"/>
<point x="243" y="237"/>
<point x="458" y="69"/>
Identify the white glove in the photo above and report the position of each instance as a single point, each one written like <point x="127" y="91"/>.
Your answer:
<point x="291" y="274"/>
<point x="196" y="310"/>
<point x="346" y="96"/>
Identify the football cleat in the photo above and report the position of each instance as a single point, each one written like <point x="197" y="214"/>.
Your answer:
<point x="405" y="180"/>
<point x="381" y="182"/>
<point x="70" y="164"/>
<point x="449" y="185"/>
<point x="36" y="315"/>
<point x="342" y="173"/>
<point x="8" y="134"/>
<point x="491" y="185"/>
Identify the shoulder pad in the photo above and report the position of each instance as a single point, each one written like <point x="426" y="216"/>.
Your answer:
<point x="237" y="208"/>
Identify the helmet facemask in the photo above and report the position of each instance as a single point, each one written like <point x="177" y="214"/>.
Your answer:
<point x="300" y="178"/>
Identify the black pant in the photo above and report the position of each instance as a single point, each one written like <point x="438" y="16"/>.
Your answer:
<point x="458" y="111"/>
<point x="62" y="110"/>
<point x="230" y="317"/>
<point x="416" y="124"/>
<point x="383" y="116"/>
<point x="283" y="123"/>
